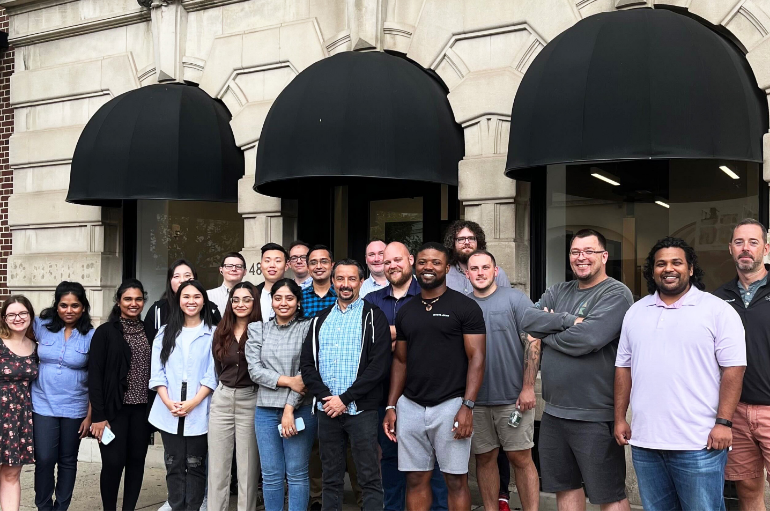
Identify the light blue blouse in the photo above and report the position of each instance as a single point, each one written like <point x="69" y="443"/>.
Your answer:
<point x="61" y="388"/>
<point x="200" y="372"/>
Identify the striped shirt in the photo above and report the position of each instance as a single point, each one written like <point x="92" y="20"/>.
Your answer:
<point x="339" y="350"/>
<point x="312" y="304"/>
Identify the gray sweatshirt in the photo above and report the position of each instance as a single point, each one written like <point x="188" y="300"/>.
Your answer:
<point x="578" y="361"/>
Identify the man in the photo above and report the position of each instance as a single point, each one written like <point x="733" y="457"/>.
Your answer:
<point x="298" y="251"/>
<point x="680" y="364"/>
<point x="232" y="269"/>
<point x="749" y="295"/>
<point x="344" y="360"/>
<point x="509" y="385"/>
<point x="438" y="366"/>
<point x="402" y="288"/>
<point x="579" y="324"/>
<point x="320" y="294"/>
<point x="462" y="239"/>
<point x="375" y="256"/>
<point x="273" y="266"/>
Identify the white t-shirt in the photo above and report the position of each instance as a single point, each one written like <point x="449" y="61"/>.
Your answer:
<point x="183" y="341"/>
<point x="266" y="305"/>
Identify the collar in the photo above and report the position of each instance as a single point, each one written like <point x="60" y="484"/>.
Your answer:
<point x="287" y="325"/>
<point x="691" y="297"/>
<point x="353" y="307"/>
<point x="331" y="291"/>
<point x="414" y="289"/>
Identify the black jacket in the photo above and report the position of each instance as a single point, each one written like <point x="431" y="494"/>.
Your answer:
<point x="108" y="363"/>
<point x="373" y="365"/>
<point x="157" y="316"/>
<point x="756" y="322"/>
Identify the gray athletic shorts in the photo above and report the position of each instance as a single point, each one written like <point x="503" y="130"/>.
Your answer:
<point x="425" y="435"/>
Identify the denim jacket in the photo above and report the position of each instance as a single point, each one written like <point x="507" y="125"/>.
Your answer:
<point x="200" y="372"/>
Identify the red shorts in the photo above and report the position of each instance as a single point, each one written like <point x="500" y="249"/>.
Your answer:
<point x="751" y="443"/>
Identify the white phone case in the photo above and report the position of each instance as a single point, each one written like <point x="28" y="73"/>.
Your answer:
<point x="299" y="422"/>
<point x="107" y="436"/>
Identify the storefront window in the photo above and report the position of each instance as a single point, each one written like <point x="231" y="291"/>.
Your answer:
<point x="634" y="204"/>
<point x="397" y="220"/>
<point x="200" y="232"/>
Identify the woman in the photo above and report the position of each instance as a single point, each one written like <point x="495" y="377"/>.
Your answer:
<point x="18" y="367"/>
<point x="180" y="271"/>
<point x="231" y="420"/>
<point x="182" y="374"/>
<point x="118" y="380"/>
<point x="60" y="407"/>
<point x="273" y="352"/>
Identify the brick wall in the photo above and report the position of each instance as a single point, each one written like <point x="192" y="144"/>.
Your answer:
<point x="6" y="175"/>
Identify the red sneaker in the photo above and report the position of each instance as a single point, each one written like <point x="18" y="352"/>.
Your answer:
<point x="502" y="505"/>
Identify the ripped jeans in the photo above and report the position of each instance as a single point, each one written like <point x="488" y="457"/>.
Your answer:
<point x="185" y="458"/>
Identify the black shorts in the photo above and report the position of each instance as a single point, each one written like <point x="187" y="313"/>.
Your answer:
<point x="573" y="452"/>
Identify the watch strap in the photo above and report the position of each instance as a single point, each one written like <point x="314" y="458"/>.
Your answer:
<point x="724" y="422"/>
<point x="390" y="407"/>
<point x="470" y="404"/>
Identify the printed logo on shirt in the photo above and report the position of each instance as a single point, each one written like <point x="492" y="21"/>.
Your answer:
<point x="441" y="315"/>
<point x="731" y="300"/>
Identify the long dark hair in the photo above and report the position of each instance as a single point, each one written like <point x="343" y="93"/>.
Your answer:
<point x="225" y="332"/>
<point x="689" y="255"/>
<point x="125" y="286"/>
<point x="176" y="318"/>
<point x="295" y="290"/>
<point x="52" y="313"/>
<point x="169" y="293"/>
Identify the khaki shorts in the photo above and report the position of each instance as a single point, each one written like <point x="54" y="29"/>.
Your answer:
<point x="491" y="429"/>
<point x="751" y="443"/>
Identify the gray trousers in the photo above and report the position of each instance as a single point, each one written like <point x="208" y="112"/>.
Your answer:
<point x="231" y="422"/>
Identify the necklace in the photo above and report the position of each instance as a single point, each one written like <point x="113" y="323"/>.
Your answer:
<point x="429" y="306"/>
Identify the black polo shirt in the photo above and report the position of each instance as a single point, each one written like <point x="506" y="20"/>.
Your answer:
<point x="436" y="362"/>
<point x="756" y="322"/>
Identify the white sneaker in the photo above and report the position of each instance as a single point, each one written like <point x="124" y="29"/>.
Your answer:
<point x="165" y="507"/>
<point x="205" y="504"/>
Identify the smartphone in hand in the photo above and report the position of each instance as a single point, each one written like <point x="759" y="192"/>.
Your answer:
<point x="107" y="435"/>
<point x="299" y="422"/>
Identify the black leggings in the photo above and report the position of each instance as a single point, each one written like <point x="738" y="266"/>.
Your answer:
<point x="128" y="450"/>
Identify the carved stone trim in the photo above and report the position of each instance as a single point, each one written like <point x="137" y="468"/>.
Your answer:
<point x="199" y="5"/>
<point x="86" y="27"/>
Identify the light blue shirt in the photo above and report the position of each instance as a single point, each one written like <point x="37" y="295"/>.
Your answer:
<point x="200" y="372"/>
<point x="339" y="350"/>
<point x="370" y="285"/>
<point x="61" y="388"/>
<point x="307" y="282"/>
<point x="748" y="294"/>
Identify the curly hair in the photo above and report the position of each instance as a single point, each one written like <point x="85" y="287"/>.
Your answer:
<point x="456" y="227"/>
<point x="689" y="254"/>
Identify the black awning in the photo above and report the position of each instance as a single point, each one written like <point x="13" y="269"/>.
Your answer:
<point x="358" y="115"/>
<point x="165" y="141"/>
<point x="635" y="85"/>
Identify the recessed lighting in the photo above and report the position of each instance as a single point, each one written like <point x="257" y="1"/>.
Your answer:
<point x="726" y="170"/>
<point x="605" y="179"/>
<point x="661" y="203"/>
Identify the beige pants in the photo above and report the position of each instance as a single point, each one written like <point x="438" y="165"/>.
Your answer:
<point x="231" y="422"/>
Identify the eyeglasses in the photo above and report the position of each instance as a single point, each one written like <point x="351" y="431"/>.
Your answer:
<point x="14" y="315"/>
<point x="588" y="252"/>
<point x="245" y="300"/>
<point x="233" y="266"/>
<point x="465" y="239"/>
<point x="316" y="262"/>
<point x="294" y="259"/>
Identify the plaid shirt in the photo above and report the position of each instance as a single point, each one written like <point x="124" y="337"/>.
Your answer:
<point x="339" y="350"/>
<point x="312" y="304"/>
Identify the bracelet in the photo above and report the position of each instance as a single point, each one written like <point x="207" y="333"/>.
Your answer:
<point x="390" y="407"/>
<point x="724" y="422"/>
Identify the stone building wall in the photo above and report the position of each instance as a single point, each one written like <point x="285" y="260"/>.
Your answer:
<point x="6" y="174"/>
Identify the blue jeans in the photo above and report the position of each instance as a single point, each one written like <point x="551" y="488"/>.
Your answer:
<point x="56" y="446"/>
<point x="394" y="482"/>
<point x="680" y="480"/>
<point x="284" y="457"/>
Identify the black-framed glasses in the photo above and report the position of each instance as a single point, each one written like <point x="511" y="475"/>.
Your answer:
<point x="245" y="300"/>
<point x="12" y="316"/>
<point x="233" y="266"/>
<point x="588" y="252"/>
<point x="465" y="239"/>
<point x="295" y="258"/>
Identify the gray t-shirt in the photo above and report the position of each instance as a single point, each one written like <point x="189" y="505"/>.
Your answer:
<point x="578" y="361"/>
<point x="504" y="363"/>
<point x="457" y="280"/>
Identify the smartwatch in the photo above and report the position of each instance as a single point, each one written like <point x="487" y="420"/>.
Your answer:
<point x="470" y="404"/>
<point x="724" y="422"/>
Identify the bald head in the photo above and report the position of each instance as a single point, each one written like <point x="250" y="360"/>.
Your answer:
<point x="398" y="264"/>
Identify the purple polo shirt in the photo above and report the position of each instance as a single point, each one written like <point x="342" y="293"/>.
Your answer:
<point x="675" y="353"/>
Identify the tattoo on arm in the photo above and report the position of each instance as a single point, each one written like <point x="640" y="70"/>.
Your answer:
<point x="532" y="351"/>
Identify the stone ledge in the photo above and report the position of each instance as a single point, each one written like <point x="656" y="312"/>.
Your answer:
<point x="86" y="27"/>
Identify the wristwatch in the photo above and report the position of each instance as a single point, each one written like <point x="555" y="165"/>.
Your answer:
<point x="470" y="404"/>
<point x="724" y="422"/>
<point x="390" y="407"/>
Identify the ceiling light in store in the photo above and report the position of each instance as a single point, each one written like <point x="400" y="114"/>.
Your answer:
<point x="726" y="170"/>
<point x="605" y="179"/>
<point x="661" y="203"/>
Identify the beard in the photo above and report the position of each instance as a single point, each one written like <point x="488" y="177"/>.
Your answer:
<point x="462" y="257"/>
<point x="684" y="285"/>
<point x="406" y="276"/>
<point x="431" y="285"/>
<point x="753" y="265"/>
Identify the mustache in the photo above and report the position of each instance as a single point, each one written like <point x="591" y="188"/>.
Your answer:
<point x="345" y="288"/>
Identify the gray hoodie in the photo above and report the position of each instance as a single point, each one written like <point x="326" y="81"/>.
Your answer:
<point x="578" y="362"/>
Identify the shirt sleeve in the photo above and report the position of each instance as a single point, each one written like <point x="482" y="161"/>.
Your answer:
<point x="520" y="304"/>
<point x="259" y="374"/>
<point x="502" y="279"/>
<point x="623" y="358"/>
<point x="730" y="338"/>
<point x="473" y="322"/>
<point x="157" y="370"/>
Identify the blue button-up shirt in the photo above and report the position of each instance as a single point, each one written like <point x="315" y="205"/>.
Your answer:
<point x="200" y="372"/>
<point x="389" y="304"/>
<point x="748" y="294"/>
<point x="339" y="350"/>
<point x="61" y="388"/>
<point x="370" y="285"/>
<point x="312" y="304"/>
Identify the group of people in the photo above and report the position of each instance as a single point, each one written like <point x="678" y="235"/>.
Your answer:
<point x="397" y="378"/>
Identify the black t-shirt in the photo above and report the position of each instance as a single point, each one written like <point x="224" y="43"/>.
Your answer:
<point x="436" y="362"/>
